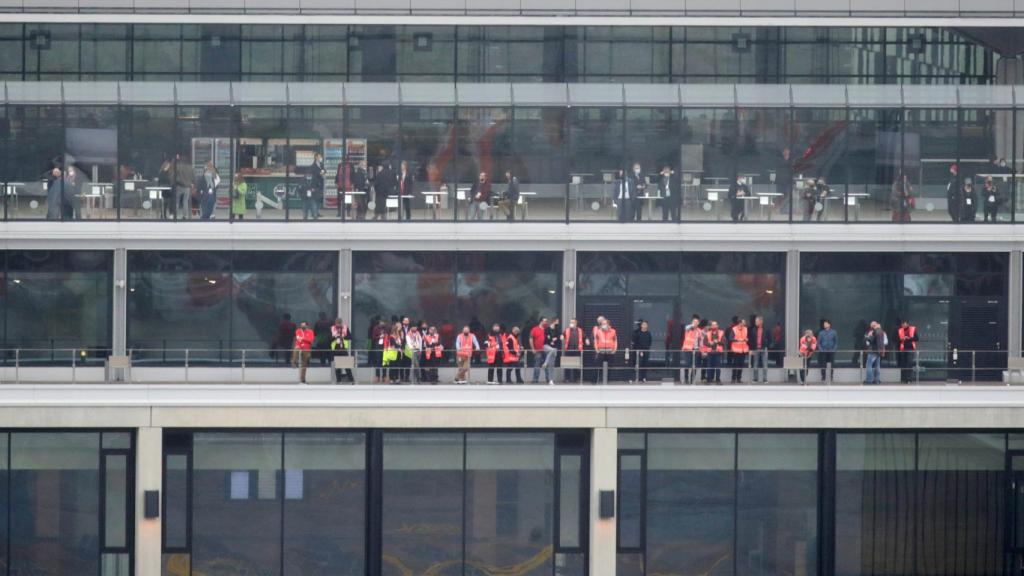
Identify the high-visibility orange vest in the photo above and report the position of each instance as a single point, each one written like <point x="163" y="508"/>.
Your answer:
<point x="739" y="344"/>
<point x="579" y="338"/>
<point x="465" y="342"/>
<point x="432" y="346"/>
<point x="712" y="341"/>
<point x="692" y="338"/>
<point x="808" y="344"/>
<point x="909" y="333"/>
<point x="492" y="348"/>
<point x="606" y="341"/>
<point x="511" y="349"/>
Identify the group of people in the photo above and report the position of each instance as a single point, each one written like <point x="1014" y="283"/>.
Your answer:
<point x="631" y="193"/>
<point x="325" y="340"/>
<point x="875" y="344"/>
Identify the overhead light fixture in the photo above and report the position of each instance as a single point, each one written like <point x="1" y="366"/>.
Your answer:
<point x="423" y="42"/>
<point x="17" y="281"/>
<point x="916" y="44"/>
<point x="741" y="42"/>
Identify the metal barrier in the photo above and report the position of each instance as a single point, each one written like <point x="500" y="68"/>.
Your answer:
<point x="266" y="365"/>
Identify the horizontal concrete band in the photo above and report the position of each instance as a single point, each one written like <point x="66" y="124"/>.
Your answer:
<point x="491" y="235"/>
<point x="237" y="406"/>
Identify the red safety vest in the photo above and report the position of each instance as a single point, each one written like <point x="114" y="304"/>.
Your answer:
<point x="579" y="338"/>
<point x="465" y="345"/>
<point x="606" y="341"/>
<point x="512" y="349"/>
<point x="432" y="346"/>
<point x="909" y="333"/>
<point x="304" y="339"/>
<point x="739" y="344"/>
<point x="692" y="339"/>
<point x="712" y="341"/>
<point x="808" y="345"/>
<point x="492" y="347"/>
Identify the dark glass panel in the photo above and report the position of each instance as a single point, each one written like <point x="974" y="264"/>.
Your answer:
<point x="176" y="501"/>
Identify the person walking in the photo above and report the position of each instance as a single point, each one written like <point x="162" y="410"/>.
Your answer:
<point x="828" y="343"/>
<point x="907" y="336"/>
<point x="874" y="345"/>
<point x="739" y="349"/>
<point x="760" y="343"/>
<point x="494" y="347"/>
<point x="808" y="346"/>
<point x="693" y="341"/>
<point x="606" y="343"/>
<point x="513" y="355"/>
<point x="641" y="346"/>
<point x="573" y="343"/>
<point x="466" y="345"/>
<point x="713" y="347"/>
<point x="301" y="349"/>
<point x="738" y="191"/>
<point x="341" y="344"/>
<point x="538" y="336"/>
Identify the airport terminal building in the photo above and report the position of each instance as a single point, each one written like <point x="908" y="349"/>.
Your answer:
<point x="184" y="183"/>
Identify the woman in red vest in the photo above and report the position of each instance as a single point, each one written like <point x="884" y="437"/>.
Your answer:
<point x="513" y="353"/>
<point x="808" y="346"/>
<point x="495" y="350"/>
<point x="432" y="353"/>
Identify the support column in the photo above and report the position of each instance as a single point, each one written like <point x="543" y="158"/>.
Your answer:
<point x="345" y="285"/>
<point x="792" y="321"/>
<point x="1015" y="324"/>
<point x="148" y="476"/>
<point x="120" y="320"/>
<point x="604" y="451"/>
<point x="568" y="286"/>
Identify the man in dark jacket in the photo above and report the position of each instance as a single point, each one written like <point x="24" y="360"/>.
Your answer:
<point x="405" y="188"/>
<point x="641" y="346"/>
<point x="510" y="197"/>
<point x="669" y="193"/>
<point x="479" y="197"/>
<point x="953" y="200"/>
<point x="383" y="186"/>
<point x="760" y="340"/>
<point x="738" y="190"/>
<point x="874" y="345"/>
<point x="828" y="343"/>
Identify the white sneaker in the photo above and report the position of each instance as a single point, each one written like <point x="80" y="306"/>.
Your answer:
<point x="551" y="382"/>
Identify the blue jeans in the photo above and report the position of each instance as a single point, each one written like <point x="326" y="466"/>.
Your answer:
<point x="690" y="361"/>
<point x="873" y="370"/>
<point x="759" y="360"/>
<point x="538" y="360"/>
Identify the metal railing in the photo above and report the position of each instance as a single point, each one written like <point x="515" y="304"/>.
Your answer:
<point x="325" y="366"/>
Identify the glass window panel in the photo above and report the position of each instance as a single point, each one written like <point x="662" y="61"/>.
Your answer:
<point x="630" y="505"/>
<point x="596" y="156"/>
<point x="422" y="484"/>
<point x="146" y="154"/>
<point x="509" y="499"/>
<point x="538" y="159"/>
<point x="428" y="154"/>
<point x="631" y="441"/>
<point x="764" y="133"/>
<point x="874" y="158"/>
<point x="777" y="504"/>
<point x="116" y="565"/>
<point x="874" y="504"/>
<point x="104" y="51"/>
<point x="325" y="53"/>
<point x="115" y="497"/>
<point x="690" y="503"/>
<point x="961" y="480"/>
<point x="175" y="565"/>
<point x="986" y="152"/>
<point x="90" y="160"/>
<point x="55" y="503"/>
<point x="5" y="497"/>
<point x="485" y="147"/>
<point x="426" y="53"/>
<point x="117" y="440"/>
<point x="571" y="564"/>
<point x="929" y="150"/>
<point x="709" y="150"/>
<point x="244" y="533"/>
<point x="263" y="163"/>
<point x="325" y="505"/>
<point x="35" y="141"/>
<point x="157" y="51"/>
<point x="818" y="150"/>
<point x="569" y="510"/>
<point x="176" y="501"/>
<point x="57" y="302"/>
<point x="628" y="564"/>
<point x="311" y="130"/>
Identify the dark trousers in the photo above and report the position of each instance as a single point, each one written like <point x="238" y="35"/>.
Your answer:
<point x="712" y="364"/>
<point x="737" y="210"/>
<point x="991" y="212"/>
<point x="602" y="359"/>
<point x="690" y="361"/>
<point x="571" y="374"/>
<point x="803" y="373"/>
<point x="739" y="362"/>
<point x="643" y="359"/>
<point x="509" y="367"/>
<point x="625" y="210"/>
<point x="670" y="208"/>
<point x="491" y="369"/>
<point x="338" y="372"/>
<point x="825" y="359"/>
<point x="637" y="207"/>
<point x="905" y="360"/>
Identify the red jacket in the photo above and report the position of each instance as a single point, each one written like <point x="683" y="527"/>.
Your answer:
<point x="304" y="339"/>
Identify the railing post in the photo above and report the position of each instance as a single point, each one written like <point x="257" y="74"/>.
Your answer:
<point x="829" y="374"/>
<point x="243" y="366"/>
<point x="74" y="365"/>
<point x="974" y="366"/>
<point x="604" y="372"/>
<point x="860" y="361"/>
<point x="17" y="365"/>
<point x="186" y="365"/>
<point x="917" y="368"/>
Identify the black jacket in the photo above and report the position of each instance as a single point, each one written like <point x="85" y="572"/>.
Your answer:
<point x="641" y="340"/>
<point x="511" y="192"/>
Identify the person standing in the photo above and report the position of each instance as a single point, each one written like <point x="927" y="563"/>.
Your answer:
<point x="184" y="186"/>
<point x="739" y="348"/>
<point x="55" y="195"/>
<point x="902" y="198"/>
<point x="433" y="352"/>
<point x="810" y="194"/>
<point x="969" y="196"/>
<point x="874" y="345"/>
<point x="642" y="348"/>
<point x="669" y="195"/>
<point x="828" y="343"/>
<point x="953" y="200"/>
<point x="466" y="345"/>
<point x="360" y="183"/>
<point x="510" y="197"/>
<point x="378" y="334"/>
<point x="693" y="341"/>
<point x="606" y="343"/>
<point x="414" y="351"/>
<point x="406" y="187"/>
<point x="238" y="198"/>
<point x="552" y="345"/>
<point x="538" y="336"/>
<point x="313" y="195"/>
<point x="208" y="191"/>
<point x="573" y="343"/>
<point x="383" y="186"/>
<point x="907" y="336"/>
<point x="301" y="349"/>
<point x="738" y="190"/>
<point x="992" y="200"/>
<point x="625" y="193"/>
<point x="394" y="353"/>
<point x="494" y="347"/>
<point x="760" y="343"/>
<point x="341" y="344"/>
<point x="284" y="339"/>
<point x="714" y="346"/>
<point x="322" y="339"/>
<point x="479" y="197"/>
<point x="513" y="354"/>
<point x="808" y="346"/>
<point x="639" y="185"/>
